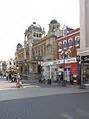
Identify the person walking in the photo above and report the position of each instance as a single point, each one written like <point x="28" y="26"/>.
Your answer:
<point x="18" y="82"/>
<point x="7" y="76"/>
<point x="10" y="77"/>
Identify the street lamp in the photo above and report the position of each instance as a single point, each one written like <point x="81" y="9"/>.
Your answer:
<point x="36" y="62"/>
<point x="17" y="69"/>
<point x="79" y="68"/>
<point x="64" y="56"/>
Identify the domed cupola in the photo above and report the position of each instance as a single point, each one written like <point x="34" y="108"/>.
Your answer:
<point x="36" y="27"/>
<point x="54" y="21"/>
<point x="34" y="31"/>
<point x="19" y="47"/>
<point x="54" y="28"/>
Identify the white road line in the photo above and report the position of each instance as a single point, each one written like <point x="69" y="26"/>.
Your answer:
<point x="66" y="116"/>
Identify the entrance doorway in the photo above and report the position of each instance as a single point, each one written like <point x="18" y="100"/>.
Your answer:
<point x="67" y="74"/>
<point x="39" y="69"/>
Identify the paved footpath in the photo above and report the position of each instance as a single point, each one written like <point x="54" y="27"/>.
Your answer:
<point x="7" y="85"/>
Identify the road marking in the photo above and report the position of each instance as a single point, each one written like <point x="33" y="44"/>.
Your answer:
<point x="32" y="86"/>
<point x="82" y="112"/>
<point x="66" y="116"/>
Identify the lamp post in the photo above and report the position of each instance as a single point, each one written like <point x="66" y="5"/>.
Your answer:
<point x="17" y="69"/>
<point x="79" y="68"/>
<point x="30" y="55"/>
<point x="36" y="63"/>
<point x="64" y="55"/>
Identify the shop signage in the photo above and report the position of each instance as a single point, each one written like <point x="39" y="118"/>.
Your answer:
<point x="85" y="58"/>
<point x="46" y="63"/>
<point x="71" y="60"/>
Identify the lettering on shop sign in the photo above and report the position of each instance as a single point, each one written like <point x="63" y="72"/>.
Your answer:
<point x="71" y="60"/>
<point x="85" y="58"/>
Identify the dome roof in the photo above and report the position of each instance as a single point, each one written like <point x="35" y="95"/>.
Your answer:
<point x="19" y="45"/>
<point x="54" y="21"/>
<point x="35" y="26"/>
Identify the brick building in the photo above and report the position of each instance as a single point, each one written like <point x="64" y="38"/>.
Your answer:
<point x="68" y="46"/>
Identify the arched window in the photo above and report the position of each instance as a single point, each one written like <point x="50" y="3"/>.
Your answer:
<point x="77" y="41"/>
<point x="65" y="45"/>
<point x="70" y="42"/>
<point x="60" y="46"/>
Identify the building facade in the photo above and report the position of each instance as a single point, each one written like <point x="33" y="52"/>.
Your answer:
<point x="24" y="54"/>
<point x="68" y="46"/>
<point x="47" y="52"/>
<point x="21" y="65"/>
<point x="38" y="47"/>
<point x="84" y="36"/>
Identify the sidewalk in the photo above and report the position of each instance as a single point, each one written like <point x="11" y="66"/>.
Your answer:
<point x="4" y="85"/>
<point x="52" y="85"/>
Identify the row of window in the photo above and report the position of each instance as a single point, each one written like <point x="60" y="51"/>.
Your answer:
<point x="39" y="51"/>
<point x="37" y="35"/>
<point x="68" y="44"/>
<point x="42" y="50"/>
<point x="10" y="63"/>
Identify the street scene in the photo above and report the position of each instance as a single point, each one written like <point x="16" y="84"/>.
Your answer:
<point x="44" y="59"/>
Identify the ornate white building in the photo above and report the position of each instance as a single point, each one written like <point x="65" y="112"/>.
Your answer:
<point x="34" y="33"/>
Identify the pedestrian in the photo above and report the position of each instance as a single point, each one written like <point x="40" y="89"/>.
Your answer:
<point x="10" y="77"/>
<point x="62" y="78"/>
<point x="7" y="75"/>
<point x="55" y="75"/>
<point x="18" y="82"/>
<point x="71" y="79"/>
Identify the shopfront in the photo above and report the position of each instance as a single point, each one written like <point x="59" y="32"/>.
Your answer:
<point x="70" y="67"/>
<point x="85" y="67"/>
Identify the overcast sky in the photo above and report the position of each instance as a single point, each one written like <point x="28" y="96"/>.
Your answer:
<point x="17" y="15"/>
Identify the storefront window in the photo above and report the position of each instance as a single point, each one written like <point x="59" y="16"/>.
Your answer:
<point x="87" y="72"/>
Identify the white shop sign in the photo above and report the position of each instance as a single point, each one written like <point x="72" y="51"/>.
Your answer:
<point x="70" y="60"/>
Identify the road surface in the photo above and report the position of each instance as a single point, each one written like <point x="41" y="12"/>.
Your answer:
<point x="44" y="103"/>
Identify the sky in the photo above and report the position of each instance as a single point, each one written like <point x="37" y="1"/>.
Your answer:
<point x="18" y="15"/>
